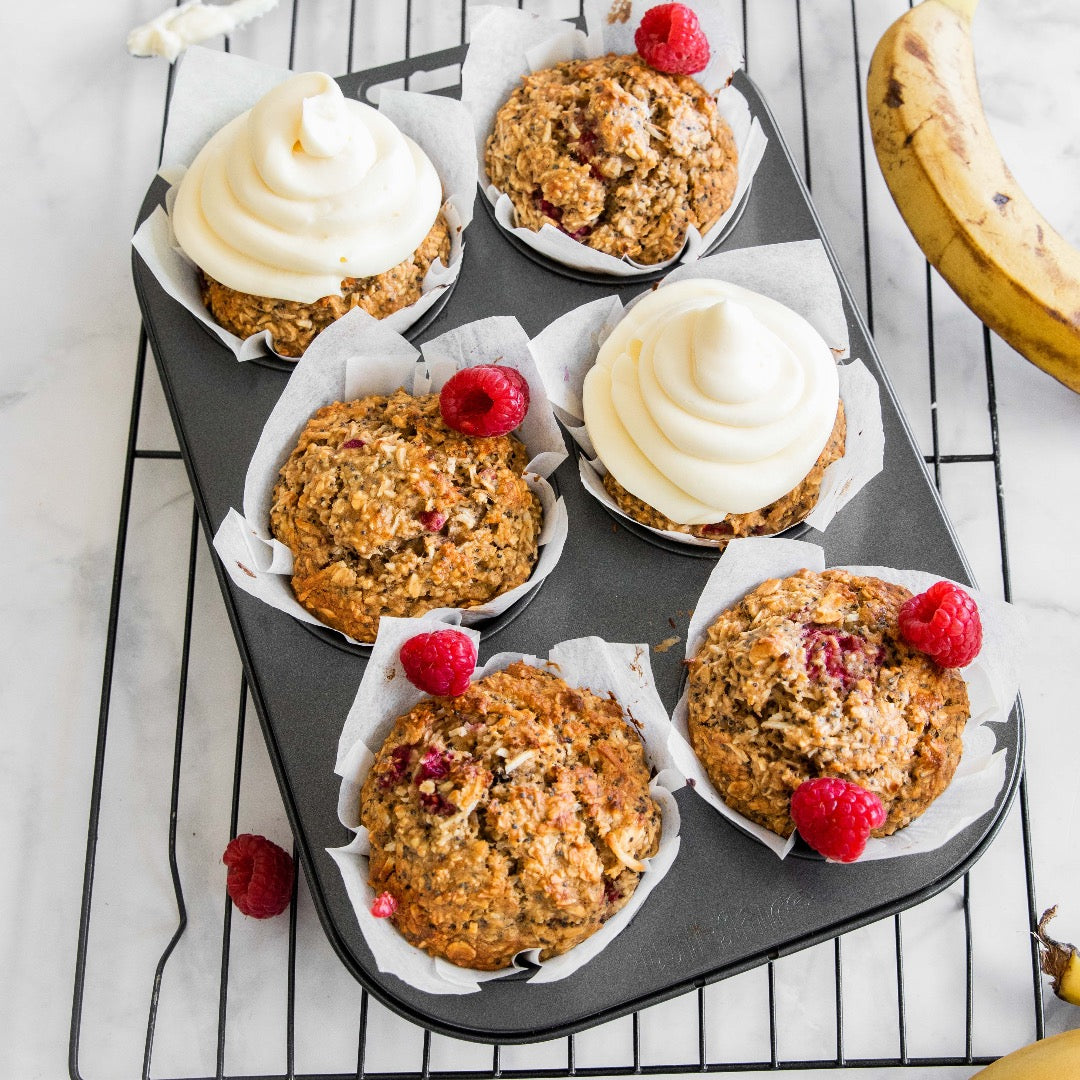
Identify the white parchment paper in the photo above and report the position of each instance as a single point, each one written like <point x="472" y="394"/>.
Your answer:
<point x="385" y="693"/>
<point x="506" y="43"/>
<point x="992" y="683"/>
<point x="357" y="356"/>
<point x="797" y="274"/>
<point x="214" y="87"/>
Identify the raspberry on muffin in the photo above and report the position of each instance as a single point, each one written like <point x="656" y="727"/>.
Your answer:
<point x="620" y="156"/>
<point x="810" y="677"/>
<point x="515" y="816"/>
<point x="388" y="511"/>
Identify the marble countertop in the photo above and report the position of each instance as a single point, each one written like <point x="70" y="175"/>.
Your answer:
<point x="82" y="124"/>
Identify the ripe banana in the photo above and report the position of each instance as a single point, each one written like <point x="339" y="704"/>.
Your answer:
<point x="1056" y="1058"/>
<point x="1059" y="960"/>
<point x="956" y="194"/>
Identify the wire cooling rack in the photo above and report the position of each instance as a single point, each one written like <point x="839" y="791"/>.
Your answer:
<point x="168" y="985"/>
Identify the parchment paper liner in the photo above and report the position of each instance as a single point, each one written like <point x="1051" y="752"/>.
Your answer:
<point x="505" y="43"/>
<point x="797" y="274"/>
<point x="991" y="679"/>
<point x="213" y="87"/>
<point x="357" y="356"/>
<point x="385" y="694"/>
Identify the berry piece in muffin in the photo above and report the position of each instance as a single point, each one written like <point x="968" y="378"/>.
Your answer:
<point x="809" y="676"/>
<point x="620" y="156"/>
<point x="513" y="817"/>
<point x="387" y="511"/>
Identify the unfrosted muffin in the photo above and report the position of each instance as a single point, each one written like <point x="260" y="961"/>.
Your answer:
<point x="388" y="511"/>
<point x="512" y="817"/>
<point x="808" y="676"/>
<point x="619" y="156"/>
<point x="304" y="207"/>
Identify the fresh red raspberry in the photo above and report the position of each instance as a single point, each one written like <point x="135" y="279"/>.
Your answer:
<point x="439" y="663"/>
<point x="260" y="879"/>
<point x="384" y="905"/>
<point x="944" y="623"/>
<point x="485" y="400"/>
<point x="670" y="39"/>
<point x="835" y="816"/>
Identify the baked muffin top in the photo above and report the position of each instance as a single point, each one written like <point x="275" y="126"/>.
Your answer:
<point x="388" y="511"/>
<point x="512" y="817"/>
<point x="808" y="676"/>
<point x="620" y="156"/>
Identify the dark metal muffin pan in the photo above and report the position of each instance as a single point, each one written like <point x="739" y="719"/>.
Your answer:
<point x="728" y="903"/>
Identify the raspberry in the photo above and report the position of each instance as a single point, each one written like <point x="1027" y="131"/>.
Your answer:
<point x="437" y="804"/>
<point x="434" y="765"/>
<point x="400" y="758"/>
<point x="944" y="623"/>
<point x="670" y="39"/>
<point x="485" y="400"/>
<point x="844" y="657"/>
<point x="384" y="905"/>
<point x="432" y="520"/>
<point x="439" y="663"/>
<point x="260" y="877"/>
<point x="353" y="444"/>
<point x="835" y="816"/>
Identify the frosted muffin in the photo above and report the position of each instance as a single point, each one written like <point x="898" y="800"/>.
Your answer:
<point x="621" y="157"/>
<point x="304" y="207"/>
<point x="388" y="511"/>
<point x="808" y="676"/>
<point x="513" y="817"/>
<point x="714" y="411"/>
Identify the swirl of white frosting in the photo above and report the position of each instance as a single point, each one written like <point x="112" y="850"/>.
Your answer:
<point x="303" y="190"/>
<point x="709" y="399"/>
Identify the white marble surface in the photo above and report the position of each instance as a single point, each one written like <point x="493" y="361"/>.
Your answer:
<point x="81" y="125"/>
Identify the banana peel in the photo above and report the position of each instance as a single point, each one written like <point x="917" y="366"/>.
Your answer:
<point x="1060" y="961"/>
<point x="957" y="196"/>
<point x="1056" y="1058"/>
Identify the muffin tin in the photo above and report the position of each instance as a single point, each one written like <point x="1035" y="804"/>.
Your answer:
<point x="728" y="904"/>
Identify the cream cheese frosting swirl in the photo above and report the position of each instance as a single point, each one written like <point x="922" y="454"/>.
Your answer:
<point x="708" y="399"/>
<point x="304" y="189"/>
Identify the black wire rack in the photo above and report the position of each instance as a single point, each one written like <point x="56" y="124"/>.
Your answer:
<point x="380" y="1039"/>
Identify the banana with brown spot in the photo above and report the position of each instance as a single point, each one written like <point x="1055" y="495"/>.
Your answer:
<point x="957" y="195"/>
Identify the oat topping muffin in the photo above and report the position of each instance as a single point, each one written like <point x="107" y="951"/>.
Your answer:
<point x="294" y="326"/>
<point x="786" y="511"/>
<point x="808" y="676"/>
<point x="512" y="817"/>
<point x="618" y="155"/>
<point x="387" y="511"/>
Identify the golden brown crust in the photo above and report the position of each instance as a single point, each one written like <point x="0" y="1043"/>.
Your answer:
<point x="786" y="511"/>
<point x="294" y="326"/>
<point x="618" y="155"/>
<point x="509" y="818"/>
<point x="387" y="511"/>
<point x="808" y="676"/>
